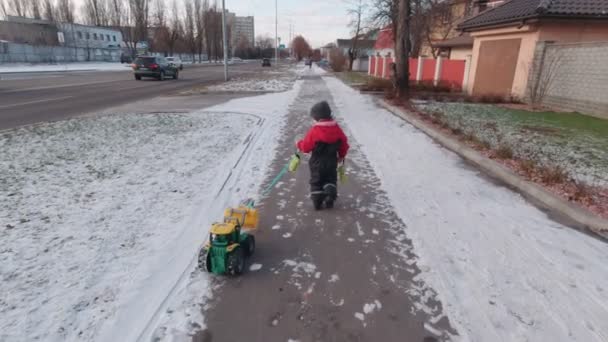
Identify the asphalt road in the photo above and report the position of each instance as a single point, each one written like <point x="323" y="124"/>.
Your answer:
<point x="33" y="98"/>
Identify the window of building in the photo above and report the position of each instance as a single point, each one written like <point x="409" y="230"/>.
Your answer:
<point x="107" y="37"/>
<point x="95" y="36"/>
<point x="79" y="35"/>
<point x="114" y="38"/>
<point x="88" y="35"/>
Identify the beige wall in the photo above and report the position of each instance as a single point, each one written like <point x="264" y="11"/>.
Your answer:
<point x="529" y="36"/>
<point x="574" y="31"/>
<point x="460" y="53"/>
<point x="558" y="31"/>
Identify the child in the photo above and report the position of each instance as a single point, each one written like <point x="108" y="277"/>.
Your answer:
<point x="329" y="146"/>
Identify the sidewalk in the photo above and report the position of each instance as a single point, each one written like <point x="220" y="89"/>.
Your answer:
<point x="421" y="245"/>
<point x="330" y="275"/>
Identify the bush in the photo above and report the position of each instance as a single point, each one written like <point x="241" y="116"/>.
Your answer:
<point x="528" y="167"/>
<point x="337" y="60"/>
<point x="552" y="175"/>
<point x="504" y="152"/>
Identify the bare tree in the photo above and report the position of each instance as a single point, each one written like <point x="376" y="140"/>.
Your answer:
<point x="175" y="27"/>
<point x="48" y="10"/>
<point x="441" y="22"/>
<point x="356" y="12"/>
<point x="4" y="8"/>
<point x="116" y="12"/>
<point x="65" y="11"/>
<point x="402" y="48"/>
<point x="34" y="9"/>
<point x="264" y="42"/>
<point x="96" y="12"/>
<point x="190" y="27"/>
<point x="300" y="47"/>
<point x="18" y="7"/>
<point x="139" y="15"/>
<point x="544" y="72"/>
<point x="199" y="13"/>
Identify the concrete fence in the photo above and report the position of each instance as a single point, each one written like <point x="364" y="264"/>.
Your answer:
<point x="570" y="77"/>
<point x="25" y="53"/>
<point x="438" y="72"/>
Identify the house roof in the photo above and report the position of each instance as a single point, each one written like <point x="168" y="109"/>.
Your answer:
<point x="361" y="44"/>
<point x="519" y="10"/>
<point x="461" y="41"/>
<point x="385" y="39"/>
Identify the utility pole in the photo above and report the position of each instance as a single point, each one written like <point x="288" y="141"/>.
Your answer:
<point x="276" y="31"/>
<point x="225" y="40"/>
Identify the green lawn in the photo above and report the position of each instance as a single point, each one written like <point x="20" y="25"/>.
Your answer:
<point x="578" y="143"/>
<point x="353" y="77"/>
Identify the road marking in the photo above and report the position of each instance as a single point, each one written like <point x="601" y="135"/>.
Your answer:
<point x="37" y="101"/>
<point x="57" y="86"/>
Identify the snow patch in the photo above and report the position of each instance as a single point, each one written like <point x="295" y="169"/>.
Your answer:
<point x="255" y="267"/>
<point x="334" y="278"/>
<point x="287" y="235"/>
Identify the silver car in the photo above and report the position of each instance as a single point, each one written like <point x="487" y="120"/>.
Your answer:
<point x="175" y="61"/>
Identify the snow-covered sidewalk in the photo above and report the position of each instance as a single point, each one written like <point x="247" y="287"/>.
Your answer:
<point x="80" y="66"/>
<point x="101" y="218"/>
<point x="503" y="270"/>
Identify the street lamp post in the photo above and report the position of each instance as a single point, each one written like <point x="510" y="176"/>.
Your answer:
<point x="225" y="40"/>
<point x="276" y="31"/>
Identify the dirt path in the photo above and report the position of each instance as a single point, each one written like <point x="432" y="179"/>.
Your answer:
<point x="341" y="275"/>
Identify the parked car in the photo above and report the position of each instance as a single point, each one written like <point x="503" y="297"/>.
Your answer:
<point x="237" y="60"/>
<point x="177" y="61"/>
<point x="155" y="67"/>
<point x="266" y="62"/>
<point x="125" y="58"/>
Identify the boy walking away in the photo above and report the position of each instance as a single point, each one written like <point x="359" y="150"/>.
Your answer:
<point x="329" y="146"/>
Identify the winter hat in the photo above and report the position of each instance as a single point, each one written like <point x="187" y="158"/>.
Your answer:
<point x="320" y="111"/>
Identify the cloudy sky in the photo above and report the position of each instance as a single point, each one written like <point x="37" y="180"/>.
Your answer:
<point x="319" y="21"/>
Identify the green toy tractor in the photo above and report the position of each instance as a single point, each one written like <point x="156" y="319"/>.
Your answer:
<point x="229" y="244"/>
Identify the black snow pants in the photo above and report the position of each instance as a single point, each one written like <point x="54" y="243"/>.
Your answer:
<point x="324" y="174"/>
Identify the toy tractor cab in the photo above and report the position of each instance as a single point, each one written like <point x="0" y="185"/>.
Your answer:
<point x="229" y="244"/>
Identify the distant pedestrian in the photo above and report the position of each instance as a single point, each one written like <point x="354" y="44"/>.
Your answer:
<point x="329" y="146"/>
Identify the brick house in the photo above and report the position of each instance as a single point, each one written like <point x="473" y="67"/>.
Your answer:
<point x="509" y="40"/>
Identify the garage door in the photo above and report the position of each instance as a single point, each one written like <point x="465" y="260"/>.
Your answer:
<point x="496" y="67"/>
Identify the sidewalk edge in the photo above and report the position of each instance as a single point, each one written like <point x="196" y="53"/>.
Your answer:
<point x="578" y="215"/>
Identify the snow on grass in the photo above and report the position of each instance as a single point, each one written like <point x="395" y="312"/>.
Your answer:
<point x="254" y="85"/>
<point x="573" y="141"/>
<point x="334" y="278"/>
<point x="245" y="182"/>
<point x="80" y="66"/>
<point x="93" y="205"/>
<point x="501" y="268"/>
<point x="102" y="218"/>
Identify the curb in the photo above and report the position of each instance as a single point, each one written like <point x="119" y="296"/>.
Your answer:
<point x="578" y="216"/>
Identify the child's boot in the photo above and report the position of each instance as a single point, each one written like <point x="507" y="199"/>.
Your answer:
<point x="317" y="200"/>
<point x="331" y="193"/>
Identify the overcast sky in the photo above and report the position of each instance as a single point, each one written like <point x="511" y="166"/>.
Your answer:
<point x="319" y="21"/>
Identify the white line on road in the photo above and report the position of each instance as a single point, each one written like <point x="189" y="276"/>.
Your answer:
<point x="57" y="86"/>
<point x="37" y="101"/>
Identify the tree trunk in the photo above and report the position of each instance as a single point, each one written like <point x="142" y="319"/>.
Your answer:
<point x="402" y="51"/>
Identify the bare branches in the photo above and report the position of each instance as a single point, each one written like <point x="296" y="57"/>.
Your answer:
<point x="300" y="47"/>
<point x="65" y="11"/>
<point x="356" y="14"/>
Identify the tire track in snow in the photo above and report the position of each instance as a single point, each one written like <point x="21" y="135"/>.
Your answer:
<point x="148" y="330"/>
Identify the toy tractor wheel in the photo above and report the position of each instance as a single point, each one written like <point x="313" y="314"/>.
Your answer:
<point x="236" y="261"/>
<point x="204" y="260"/>
<point x="249" y="245"/>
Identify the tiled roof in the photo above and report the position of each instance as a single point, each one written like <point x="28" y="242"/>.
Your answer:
<point x="518" y="10"/>
<point x="362" y="43"/>
<point x="460" y="41"/>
